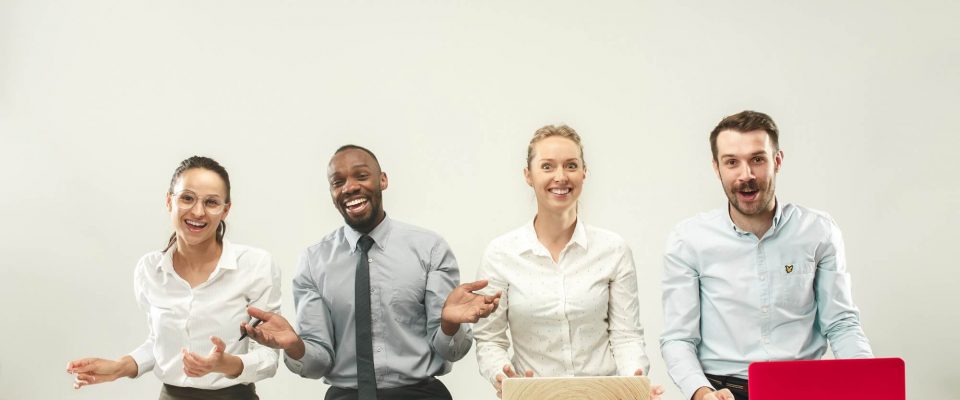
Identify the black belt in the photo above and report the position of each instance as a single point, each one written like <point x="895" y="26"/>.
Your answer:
<point x="239" y="391"/>
<point x="728" y="382"/>
<point x="430" y="388"/>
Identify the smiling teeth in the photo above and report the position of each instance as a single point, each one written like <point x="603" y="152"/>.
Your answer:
<point x="560" y="191"/>
<point x="354" y="202"/>
<point x="196" y="224"/>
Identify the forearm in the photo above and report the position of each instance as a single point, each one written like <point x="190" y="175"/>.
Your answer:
<point x="296" y="350"/>
<point x="838" y="317"/>
<point x="449" y="328"/>
<point x="681" y="311"/>
<point x="453" y="346"/>
<point x="683" y="366"/>
<point x="849" y="341"/>
<point x="311" y="353"/>
<point x="315" y="362"/>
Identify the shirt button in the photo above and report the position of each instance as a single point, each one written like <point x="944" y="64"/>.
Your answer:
<point x="369" y="260"/>
<point x="763" y="277"/>
<point x="763" y="309"/>
<point x="379" y="349"/>
<point x="372" y="291"/>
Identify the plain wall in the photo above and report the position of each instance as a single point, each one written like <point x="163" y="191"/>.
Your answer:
<point x="100" y="100"/>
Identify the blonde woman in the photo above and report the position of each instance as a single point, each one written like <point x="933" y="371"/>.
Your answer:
<point x="569" y="290"/>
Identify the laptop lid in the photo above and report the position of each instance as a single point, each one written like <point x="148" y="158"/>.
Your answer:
<point x="865" y="378"/>
<point x="577" y="388"/>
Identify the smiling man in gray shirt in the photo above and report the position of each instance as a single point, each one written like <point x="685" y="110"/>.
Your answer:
<point x="379" y="309"/>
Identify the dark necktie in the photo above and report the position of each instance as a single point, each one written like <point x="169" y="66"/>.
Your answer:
<point x="366" y="376"/>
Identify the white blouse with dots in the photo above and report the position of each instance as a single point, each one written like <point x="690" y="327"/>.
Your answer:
<point x="575" y="317"/>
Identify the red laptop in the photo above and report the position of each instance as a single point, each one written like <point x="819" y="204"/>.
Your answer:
<point x="866" y="378"/>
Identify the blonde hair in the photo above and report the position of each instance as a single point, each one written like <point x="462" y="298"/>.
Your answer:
<point x="549" y="131"/>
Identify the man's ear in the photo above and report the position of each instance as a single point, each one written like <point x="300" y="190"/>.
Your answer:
<point x="777" y="161"/>
<point x="384" y="182"/>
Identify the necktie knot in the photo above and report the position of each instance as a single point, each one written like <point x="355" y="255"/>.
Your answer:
<point x="365" y="243"/>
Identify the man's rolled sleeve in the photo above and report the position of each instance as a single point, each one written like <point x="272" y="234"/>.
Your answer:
<point x="681" y="313"/>
<point x="837" y="315"/>
<point x="314" y="325"/>
<point x="442" y="278"/>
<point x="458" y="344"/>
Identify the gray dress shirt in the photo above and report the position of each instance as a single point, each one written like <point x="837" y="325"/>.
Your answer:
<point x="412" y="271"/>
<point x="730" y="298"/>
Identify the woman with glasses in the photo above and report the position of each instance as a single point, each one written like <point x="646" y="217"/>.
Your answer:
<point x="569" y="290"/>
<point x="195" y="293"/>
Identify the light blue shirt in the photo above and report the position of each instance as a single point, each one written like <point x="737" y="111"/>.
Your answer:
<point x="730" y="299"/>
<point x="412" y="271"/>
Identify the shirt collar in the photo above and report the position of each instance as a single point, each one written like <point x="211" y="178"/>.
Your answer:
<point x="579" y="235"/>
<point x="529" y="241"/>
<point x="228" y="258"/>
<point x="380" y="235"/>
<point x="777" y="213"/>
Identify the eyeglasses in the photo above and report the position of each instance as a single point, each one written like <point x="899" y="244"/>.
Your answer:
<point x="186" y="199"/>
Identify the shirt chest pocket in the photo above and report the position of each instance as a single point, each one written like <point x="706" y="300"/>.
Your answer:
<point x="794" y="285"/>
<point x="406" y="306"/>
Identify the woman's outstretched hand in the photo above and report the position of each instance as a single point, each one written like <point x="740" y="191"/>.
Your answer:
<point x="91" y="371"/>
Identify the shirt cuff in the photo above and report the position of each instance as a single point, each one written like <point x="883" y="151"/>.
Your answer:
<point x="458" y="336"/>
<point x="450" y="343"/>
<point x="144" y="360"/>
<point x="492" y="374"/>
<point x="630" y="370"/>
<point x="690" y="384"/>
<point x="295" y="366"/>
<point x="251" y="363"/>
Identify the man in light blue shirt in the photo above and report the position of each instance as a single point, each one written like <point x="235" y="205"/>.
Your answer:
<point x="379" y="309"/>
<point x="755" y="280"/>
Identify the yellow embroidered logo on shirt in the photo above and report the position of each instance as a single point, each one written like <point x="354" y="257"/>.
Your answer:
<point x="789" y="268"/>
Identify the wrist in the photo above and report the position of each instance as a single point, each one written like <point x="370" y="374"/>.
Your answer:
<point x="297" y="350"/>
<point x="128" y="367"/>
<point x="230" y="365"/>
<point x="449" y="328"/>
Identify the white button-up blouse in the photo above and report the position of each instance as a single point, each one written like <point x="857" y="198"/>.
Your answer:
<point x="575" y="317"/>
<point x="179" y="316"/>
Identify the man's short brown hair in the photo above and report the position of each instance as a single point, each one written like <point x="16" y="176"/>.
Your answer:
<point x="746" y="121"/>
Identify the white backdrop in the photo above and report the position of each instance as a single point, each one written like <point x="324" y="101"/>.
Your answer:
<point x="99" y="101"/>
